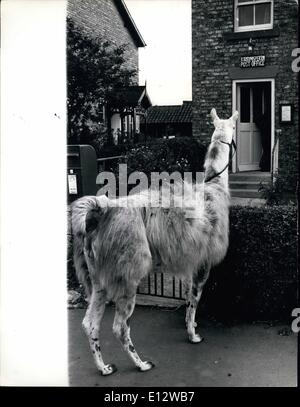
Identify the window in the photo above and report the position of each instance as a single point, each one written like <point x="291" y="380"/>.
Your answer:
<point x="245" y="105"/>
<point x="253" y="15"/>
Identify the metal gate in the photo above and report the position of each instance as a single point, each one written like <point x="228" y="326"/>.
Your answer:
<point x="162" y="285"/>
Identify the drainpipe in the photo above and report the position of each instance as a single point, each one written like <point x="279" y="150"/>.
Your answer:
<point x="276" y="141"/>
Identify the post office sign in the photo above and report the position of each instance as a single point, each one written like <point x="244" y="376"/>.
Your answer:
<point x="252" y="62"/>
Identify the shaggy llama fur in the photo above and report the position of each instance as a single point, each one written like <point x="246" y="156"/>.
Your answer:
<point x="116" y="245"/>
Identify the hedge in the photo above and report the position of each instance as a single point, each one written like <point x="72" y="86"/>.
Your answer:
<point x="178" y="154"/>
<point x="258" y="277"/>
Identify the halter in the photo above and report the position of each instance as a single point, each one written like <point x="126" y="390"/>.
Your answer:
<point x="230" y="159"/>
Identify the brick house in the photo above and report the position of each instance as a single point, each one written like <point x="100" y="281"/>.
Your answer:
<point x="242" y="56"/>
<point x="111" y="20"/>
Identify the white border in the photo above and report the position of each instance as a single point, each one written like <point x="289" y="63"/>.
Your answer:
<point x="33" y="289"/>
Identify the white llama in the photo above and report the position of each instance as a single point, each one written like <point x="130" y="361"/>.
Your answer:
<point x="115" y="247"/>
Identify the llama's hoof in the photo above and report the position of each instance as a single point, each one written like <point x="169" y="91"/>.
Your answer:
<point x="108" y="369"/>
<point x="145" y="366"/>
<point x="195" y="338"/>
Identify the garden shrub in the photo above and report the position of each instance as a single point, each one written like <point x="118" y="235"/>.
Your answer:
<point x="276" y="192"/>
<point x="112" y="150"/>
<point x="182" y="154"/>
<point x="178" y="154"/>
<point x="96" y="68"/>
<point x="258" y="277"/>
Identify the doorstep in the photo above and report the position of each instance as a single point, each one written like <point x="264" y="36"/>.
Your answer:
<point x="254" y="202"/>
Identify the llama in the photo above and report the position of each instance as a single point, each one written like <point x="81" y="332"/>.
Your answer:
<point x="116" y="246"/>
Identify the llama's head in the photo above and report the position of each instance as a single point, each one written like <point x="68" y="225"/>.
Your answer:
<point x="224" y="129"/>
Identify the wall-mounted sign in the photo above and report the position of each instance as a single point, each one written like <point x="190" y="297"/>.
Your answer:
<point x="252" y="62"/>
<point x="286" y="113"/>
<point x="72" y="184"/>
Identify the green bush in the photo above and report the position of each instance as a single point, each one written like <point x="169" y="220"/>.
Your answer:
<point x="178" y="154"/>
<point x="277" y="193"/>
<point x="95" y="69"/>
<point x="112" y="150"/>
<point x="258" y="277"/>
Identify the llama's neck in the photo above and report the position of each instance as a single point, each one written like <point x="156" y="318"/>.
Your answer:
<point x="216" y="160"/>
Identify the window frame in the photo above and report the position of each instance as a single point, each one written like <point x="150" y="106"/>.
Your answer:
<point x="254" y="27"/>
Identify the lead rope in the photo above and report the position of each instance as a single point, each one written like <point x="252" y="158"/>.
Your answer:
<point x="230" y="159"/>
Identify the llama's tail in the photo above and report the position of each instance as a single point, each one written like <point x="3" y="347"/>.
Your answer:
<point x="78" y="224"/>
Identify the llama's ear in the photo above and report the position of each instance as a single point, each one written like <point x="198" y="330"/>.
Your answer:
<point x="235" y="116"/>
<point x="214" y="115"/>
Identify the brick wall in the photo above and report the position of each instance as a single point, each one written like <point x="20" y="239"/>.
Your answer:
<point x="213" y="54"/>
<point x="101" y="18"/>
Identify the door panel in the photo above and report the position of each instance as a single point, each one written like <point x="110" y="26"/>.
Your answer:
<point x="250" y="104"/>
<point x="256" y="145"/>
<point x="244" y="145"/>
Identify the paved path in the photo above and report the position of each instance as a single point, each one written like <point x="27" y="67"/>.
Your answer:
<point x="240" y="355"/>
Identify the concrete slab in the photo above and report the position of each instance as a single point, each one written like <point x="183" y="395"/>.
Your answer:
<point x="230" y="356"/>
<point x="236" y="201"/>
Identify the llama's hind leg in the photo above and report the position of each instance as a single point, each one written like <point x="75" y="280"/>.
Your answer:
<point x="187" y="292"/>
<point x="91" y="325"/>
<point x="121" y="329"/>
<point x="193" y="298"/>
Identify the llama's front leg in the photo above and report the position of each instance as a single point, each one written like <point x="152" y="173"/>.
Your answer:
<point x="121" y="329"/>
<point x="193" y="298"/>
<point x="91" y="326"/>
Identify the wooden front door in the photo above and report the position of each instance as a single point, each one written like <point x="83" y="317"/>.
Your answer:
<point x="251" y="105"/>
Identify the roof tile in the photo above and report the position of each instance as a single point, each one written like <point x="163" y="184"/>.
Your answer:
<point x="170" y="114"/>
